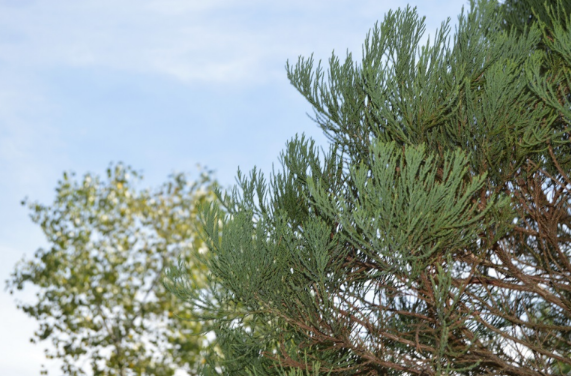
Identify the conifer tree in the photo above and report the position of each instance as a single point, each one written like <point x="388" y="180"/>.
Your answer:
<point x="433" y="237"/>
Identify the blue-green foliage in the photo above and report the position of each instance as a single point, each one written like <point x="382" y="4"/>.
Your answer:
<point x="433" y="236"/>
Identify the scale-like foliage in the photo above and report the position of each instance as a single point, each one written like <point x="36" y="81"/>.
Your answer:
<point x="434" y="237"/>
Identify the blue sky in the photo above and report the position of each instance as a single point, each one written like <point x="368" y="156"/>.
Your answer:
<point x="161" y="85"/>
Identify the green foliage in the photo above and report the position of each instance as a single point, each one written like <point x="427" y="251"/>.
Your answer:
<point x="434" y="236"/>
<point x="100" y="300"/>
<point x="521" y="14"/>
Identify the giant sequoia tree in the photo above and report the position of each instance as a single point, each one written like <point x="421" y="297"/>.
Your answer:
<point x="434" y="236"/>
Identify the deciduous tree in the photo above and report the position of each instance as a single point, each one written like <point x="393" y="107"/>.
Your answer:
<point x="100" y="300"/>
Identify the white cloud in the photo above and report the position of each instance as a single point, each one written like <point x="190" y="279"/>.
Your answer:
<point x="219" y="41"/>
<point x="180" y="7"/>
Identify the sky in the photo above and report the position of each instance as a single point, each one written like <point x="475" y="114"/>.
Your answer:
<point x="161" y="85"/>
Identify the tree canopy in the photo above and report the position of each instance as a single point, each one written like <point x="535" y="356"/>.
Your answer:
<point x="100" y="300"/>
<point x="433" y="237"/>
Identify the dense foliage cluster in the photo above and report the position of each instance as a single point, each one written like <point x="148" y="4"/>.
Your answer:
<point x="100" y="300"/>
<point x="434" y="236"/>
